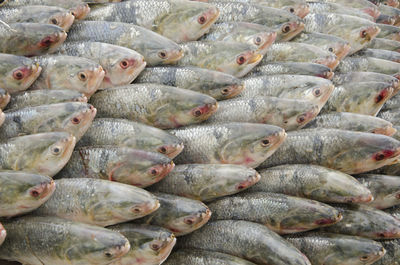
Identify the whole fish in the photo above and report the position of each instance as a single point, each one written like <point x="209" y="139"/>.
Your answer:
<point x="124" y="133"/>
<point x="389" y="32"/>
<point x="312" y="182"/>
<point x="233" y="58"/>
<point x="203" y="257"/>
<point x="392" y="256"/>
<point x="363" y="5"/>
<point x="121" y="65"/>
<point x="120" y="164"/>
<point x="332" y="249"/>
<point x="392" y="12"/>
<point x="281" y="213"/>
<point x="4" y="98"/>
<point x="155" y="48"/>
<point x="149" y="244"/>
<point x="30" y="39"/>
<point x="380" y="54"/>
<point x="69" y="72"/>
<point x="357" y="77"/>
<point x="98" y="202"/>
<point x="161" y="106"/>
<point x="346" y="151"/>
<point x="72" y="117"/>
<point x="213" y="83"/>
<point x="326" y="7"/>
<point x="247" y="240"/>
<point x="17" y="73"/>
<point x="34" y="98"/>
<point x="43" y="153"/>
<point x="369" y="64"/>
<point x="245" y="144"/>
<point x="22" y="192"/>
<point x="59" y="241"/>
<point x="178" y="20"/>
<point x="178" y="214"/>
<point x="352" y="122"/>
<point x="385" y="44"/>
<point x="38" y="14"/>
<point x="289" y="114"/>
<point x="207" y="182"/>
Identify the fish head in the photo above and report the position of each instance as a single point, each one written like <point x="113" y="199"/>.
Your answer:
<point x="373" y="11"/>
<point x="80" y="11"/>
<point x="304" y="112"/>
<point x="262" y="40"/>
<point x="299" y="9"/>
<point x="317" y="93"/>
<point x="340" y="49"/>
<point x="289" y="30"/>
<point x="48" y="40"/>
<point x="222" y="86"/>
<point x="385" y="19"/>
<point x="78" y="119"/>
<point x="63" y="19"/>
<point x="241" y="63"/>
<point x="332" y="61"/>
<point x="171" y="150"/>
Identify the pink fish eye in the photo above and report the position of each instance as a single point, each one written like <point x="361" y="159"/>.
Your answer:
<point x="197" y="112"/>
<point x="363" y="34"/>
<point x="124" y="64"/>
<point x="301" y="118"/>
<point x="76" y="120"/>
<point x="18" y="74"/>
<point x="241" y="60"/>
<point x="188" y="221"/>
<point x="54" y="21"/>
<point x="35" y="193"/>
<point x="155" y="246"/>
<point x="202" y="19"/>
<point x="286" y="29"/>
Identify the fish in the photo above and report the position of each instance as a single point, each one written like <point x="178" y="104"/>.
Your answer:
<point x="178" y="20"/>
<point x="346" y="151"/>
<point x="4" y="99"/>
<point x="119" y="164"/>
<point x="332" y="249"/>
<point x="385" y="44"/>
<point x="69" y="72"/>
<point x="289" y="114"/>
<point x="42" y="153"/>
<point x="124" y="133"/>
<point x="216" y="84"/>
<point x="206" y="182"/>
<point x="121" y="65"/>
<point x="369" y="64"/>
<point x="232" y="58"/>
<point x="392" y="255"/>
<point x="178" y="214"/>
<point x="247" y="240"/>
<point x="312" y="182"/>
<point x="287" y="31"/>
<point x="97" y="202"/>
<point x="149" y="244"/>
<point x="389" y="32"/>
<point x="392" y="105"/>
<point x="23" y="192"/>
<point x="385" y="19"/>
<point x="383" y="3"/>
<point x="69" y="242"/>
<point x="363" y="5"/>
<point x="392" y="12"/>
<point x="245" y="144"/>
<point x="390" y="115"/>
<point x="380" y="54"/>
<point x="17" y="73"/>
<point x="326" y="7"/>
<point x="392" y="170"/>
<point x="357" y="77"/>
<point x="155" y="48"/>
<point x="72" y="117"/>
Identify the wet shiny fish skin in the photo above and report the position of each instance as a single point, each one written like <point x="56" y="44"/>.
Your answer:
<point x="312" y="182"/>
<point x="43" y="153"/>
<point x="245" y="144"/>
<point x="72" y="117"/>
<point x="289" y="114"/>
<point x="352" y="122"/>
<point x="332" y="249"/>
<point x="69" y="72"/>
<point x="97" y="202"/>
<point x="365" y="221"/>
<point x="120" y="164"/>
<point x="155" y="48"/>
<point x="385" y="44"/>
<point x="392" y="116"/>
<point x="178" y="214"/>
<point x="203" y="257"/>
<point x="178" y="20"/>
<point x="363" y="5"/>
<point x="35" y="98"/>
<point x="241" y="239"/>
<point x="326" y="7"/>
<point x="206" y="182"/>
<point x="150" y="245"/>
<point x="216" y="84"/>
<point x="23" y="192"/>
<point x="392" y="256"/>
<point x="357" y="77"/>
<point x="391" y="106"/>
<point x="121" y="65"/>
<point x="281" y="213"/>
<point x="232" y="58"/>
<point x="389" y="32"/>
<point x="17" y="73"/>
<point x="380" y="54"/>
<point x="368" y="64"/>
<point x="164" y="107"/>
<point x="347" y="151"/>
<point x="30" y="39"/>
<point x="58" y="241"/>
<point x="4" y="98"/>
<point x="38" y="14"/>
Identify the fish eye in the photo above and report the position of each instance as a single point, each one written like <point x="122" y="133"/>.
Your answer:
<point x="286" y="29"/>
<point x="136" y="210"/>
<point x="225" y="91"/>
<point x="197" y="112"/>
<point x="108" y="255"/>
<point x="155" y="246"/>
<point x="265" y="142"/>
<point x="18" y="74"/>
<point x="56" y="150"/>
<point x="124" y="64"/>
<point x="154" y="171"/>
<point x="188" y="221"/>
<point x="76" y="120"/>
<point x="162" y="149"/>
<point x="331" y="49"/>
<point x="258" y="40"/>
<point x="82" y="76"/>
<point x="317" y="92"/>
<point x="301" y="118"/>
<point x="162" y="54"/>
<point x="291" y="10"/>
<point x="202" y="19"/>
<point x="241" y="60"/>
<point x="54" y="21"/>
<point x="364" y="34"/>
<point x="379" y="157"/>
<point x="34" y="193"/>
<point x="364" y="258"/>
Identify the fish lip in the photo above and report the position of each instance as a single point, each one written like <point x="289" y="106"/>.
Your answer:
<point x="302" y="11"/>
<point x="270" y="38"/>
<point x="344" y="51"/>
<point x="236" y="88"/>
<point x="328" y="75"/>
<point x="83" y="99"/>
<point x="256" y="58"/>
<point x="81" y="11"/>
<point x="178" y="148"/>
<point x="387" y="130"/>
<point x="214" y="14"/>
<point x="68" y="21"/>
<point x="175" y="55"/>
<point x="97" y="76"/>
<point x="331" y="61"/>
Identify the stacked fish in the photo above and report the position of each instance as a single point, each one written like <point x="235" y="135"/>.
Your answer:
<point x="257" y="131"/>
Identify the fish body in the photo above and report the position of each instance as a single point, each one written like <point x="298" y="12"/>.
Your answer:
<point x="203" y="257"/>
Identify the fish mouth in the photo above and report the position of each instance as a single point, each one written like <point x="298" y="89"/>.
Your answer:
<point x="233" y="90"/>
<point x="151" y="207"/>
<point x="269" y="38"/>
<point x="47" y="189"/>
<point x="328" y="75"/>
<point x="371" y="33"/>
<point x="213" y="14"/>
<point x="4" y="100"/>
<point x="167" y="168"/>
<point x="208" y="110"/>
<point x="330" y="61"/>
<point x="96" y="78"/>
<point x="256" y="58"/>
<point x="250" y="181"/>
<point x="120" y="251"/>
<point x="57" y="40"/>
<point x="67" y="21"/>
<point x="343" y="51"/>
<point x="329" y="221"/>
<point x="81" y="11"/>
<point x="388" y="130"/>
<point x="297" y="28"/>
<point x="372" y="11"/>
<point x="36" y="70"/>
<point x="302" y="10"/>
<point x="174" y="150"/>
<point x="174" y="56"/>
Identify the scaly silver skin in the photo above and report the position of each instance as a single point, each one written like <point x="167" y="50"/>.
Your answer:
<point x="347" y="151"/>
<point x="357" y="77"/>
<point x="391" y="115"/>
<point x="324" y="7"/>
<point x="245" y="144"/>
<point x="155" y="48"/>
<point x="380" y="54"/>
<point x="289" y="114"/>
<point x="385" y="44"/>
<point x="394" y="211"/>
<point x="246" y="240"/>
<point x="59" y="241"/>
<point x="203" y="257"/>
<point x="164" y="107"/>
<point x="366" y="6"/>
<point x="120" y="164"/>
<point x="332" y="249"/>
<point x="207" y="182"/>
<point x="368" y="64"/>
<point x="213" y="83"/>
<point x="281" y="213"/>
<point x="385" y="189"/>
<point x="392" y="170"/>
<point x="178" y="214"/>
<point x="97" y="202"/>
<point x="392" y="256"/>
<point x="389" y="32"/>
<point x="312" y="182"/>
<point x="392" y="105"/>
